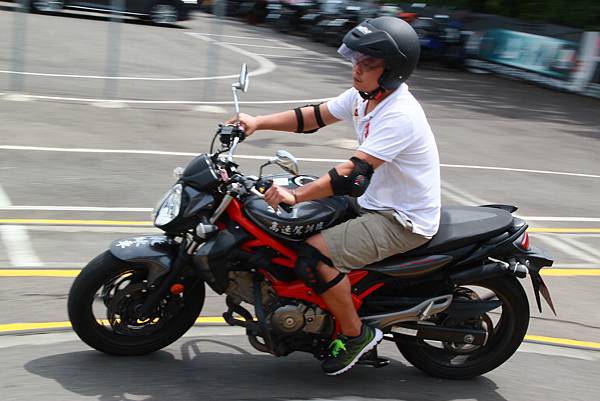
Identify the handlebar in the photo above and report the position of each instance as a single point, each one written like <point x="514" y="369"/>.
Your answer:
<point x="228" y="133"/>
<point x="263" y="185"/>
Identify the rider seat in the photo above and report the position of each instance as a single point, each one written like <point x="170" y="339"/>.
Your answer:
<point x="460" y="226"/>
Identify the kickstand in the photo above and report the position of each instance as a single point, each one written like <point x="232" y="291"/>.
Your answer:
<point x="371" y="359"/>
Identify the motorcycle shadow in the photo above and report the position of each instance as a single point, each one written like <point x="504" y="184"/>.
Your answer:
<point x="214" y="370"/>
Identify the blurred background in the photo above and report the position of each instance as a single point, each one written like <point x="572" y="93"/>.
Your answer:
<point x="101" y="99"/>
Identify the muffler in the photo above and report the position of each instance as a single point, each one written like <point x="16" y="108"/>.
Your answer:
<point x="416" y="313"/>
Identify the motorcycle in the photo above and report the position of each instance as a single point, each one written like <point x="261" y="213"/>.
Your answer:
<point x="454" y="307"/>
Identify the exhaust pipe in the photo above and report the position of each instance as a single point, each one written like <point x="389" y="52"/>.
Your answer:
<point x="479" y="273"/>
<point x="419" y="312"/>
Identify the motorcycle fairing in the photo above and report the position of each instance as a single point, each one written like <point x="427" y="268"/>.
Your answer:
<point x="157" y="252"/>
<point x="214" y="259"/>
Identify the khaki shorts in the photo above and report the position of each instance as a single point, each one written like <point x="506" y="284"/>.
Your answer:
<point x="372" y="236"/>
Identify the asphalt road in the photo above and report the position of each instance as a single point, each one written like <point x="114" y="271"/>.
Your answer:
<point x="500" y="141"/>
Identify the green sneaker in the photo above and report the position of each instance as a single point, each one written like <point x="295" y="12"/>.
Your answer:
<point x="345" y="351"/>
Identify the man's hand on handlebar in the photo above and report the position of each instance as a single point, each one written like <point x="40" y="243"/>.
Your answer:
<point x="249" y="123"/>
<point x="277" y="195"/>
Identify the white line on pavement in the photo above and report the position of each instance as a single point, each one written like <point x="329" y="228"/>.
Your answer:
<point x="567" y="248"/>
<point x="76" y="208"/>
<point x="577" y="243"/>
<point x="524" y="170"/>
<point x="454" y="193"/>
<point x="262" y="46"/>
<point x="40" y="74"/>
<point x="149" y="209"/>
<point x="292" y="57"/>
<point x="16" y="241"/>
<point x="231" y="36"/>
<point x="191" y="102"/>
<point x="157" y="152"/>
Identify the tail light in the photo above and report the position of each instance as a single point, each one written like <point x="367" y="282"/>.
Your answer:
<point x="525" y="241"/>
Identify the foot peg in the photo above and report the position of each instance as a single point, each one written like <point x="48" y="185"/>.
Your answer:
<point x="371" y="359"/>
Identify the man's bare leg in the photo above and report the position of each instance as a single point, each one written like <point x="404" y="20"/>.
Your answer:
<point x="338" y="298"/>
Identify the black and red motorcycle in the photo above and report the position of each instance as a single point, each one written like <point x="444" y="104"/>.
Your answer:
<point x="454" y="306"/>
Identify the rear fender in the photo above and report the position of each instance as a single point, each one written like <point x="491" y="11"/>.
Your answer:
<point x="535" y="259"/>
<point x="155" y="252"/>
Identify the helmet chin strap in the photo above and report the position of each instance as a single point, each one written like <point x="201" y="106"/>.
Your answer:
<point x="377" y="94"/>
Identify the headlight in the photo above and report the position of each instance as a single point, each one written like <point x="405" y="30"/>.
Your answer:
<point x="168" y="208"/>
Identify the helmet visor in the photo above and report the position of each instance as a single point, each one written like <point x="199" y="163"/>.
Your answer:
<point x="362" y="60"/>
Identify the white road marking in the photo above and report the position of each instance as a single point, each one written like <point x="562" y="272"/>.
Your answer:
<point x="157" y="152"/>
<point x="524" y="170"/>
<point x="454" y="193"/>
<point x="148" y="209"/>
<point x="190" y="102"/>
<point x="577" y="243"/>
<point x="543" y="349"/>
<point x="576" y="265"/>
<point x="16" y="241"/>
<point x="553" y="218"/>
<point x="292" y="57"/>
<point x="75" y="76"/>
<point x="76" y="208"/>
<point x="262" y="46"/>
<point x="232" y="36"/>
<point x="56" y="338"/>
<point x="566" y="247"/>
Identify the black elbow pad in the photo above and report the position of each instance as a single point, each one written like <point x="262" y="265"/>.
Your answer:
<point x="356" y="183"/>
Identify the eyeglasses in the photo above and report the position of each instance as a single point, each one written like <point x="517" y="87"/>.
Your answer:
<point x="365" y="62"/>
<point x="368" y="63"/>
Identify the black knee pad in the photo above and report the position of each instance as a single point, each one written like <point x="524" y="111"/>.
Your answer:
<point x="306" y="269"/>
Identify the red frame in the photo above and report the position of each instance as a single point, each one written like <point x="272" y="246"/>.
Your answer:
<point x="296" y="289"/>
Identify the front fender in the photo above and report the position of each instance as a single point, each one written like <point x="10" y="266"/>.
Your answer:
<point x="156" y="252"/>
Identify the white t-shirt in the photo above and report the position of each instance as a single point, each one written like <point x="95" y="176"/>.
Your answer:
<point x="397" y="132"/>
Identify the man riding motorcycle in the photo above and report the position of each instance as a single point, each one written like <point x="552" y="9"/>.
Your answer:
<point x="393" y="176"/>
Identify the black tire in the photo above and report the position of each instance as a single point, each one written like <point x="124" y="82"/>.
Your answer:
<point x="502" y="344"/>
<point x="83" y="292"/>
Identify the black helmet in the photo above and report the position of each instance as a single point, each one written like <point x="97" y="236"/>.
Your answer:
<point x="390" y="39"/>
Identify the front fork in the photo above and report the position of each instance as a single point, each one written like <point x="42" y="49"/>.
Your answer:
<point x="183" y="259"/>
<point x="180" y="262"/>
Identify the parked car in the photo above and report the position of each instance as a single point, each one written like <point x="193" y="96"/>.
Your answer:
<point x="158" y="11"/>
<point x="351" y="15"/>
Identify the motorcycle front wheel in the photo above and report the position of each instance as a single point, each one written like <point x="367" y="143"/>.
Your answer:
<point x="105" y="297"/>
<point x="506" y="327"/>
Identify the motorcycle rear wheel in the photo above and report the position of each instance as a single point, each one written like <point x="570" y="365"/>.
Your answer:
<point x="505" y="337"/>
<point x="110" y="283"/>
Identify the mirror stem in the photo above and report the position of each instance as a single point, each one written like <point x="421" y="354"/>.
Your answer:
<point x="237" y="106"/>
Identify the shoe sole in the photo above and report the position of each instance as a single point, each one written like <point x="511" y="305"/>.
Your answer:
<point x="376" y="339"/>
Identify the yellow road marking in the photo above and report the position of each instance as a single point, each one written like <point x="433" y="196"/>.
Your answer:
<point x="16" y="327"/>
<point x="39" y="272"/>
<point x="66" y="325"/>
<point x="563" y="341"/>
<point x="74" y="272"/>
<point x="51" y="222"/>
<point x="569" y="272"/>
